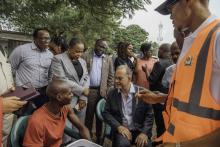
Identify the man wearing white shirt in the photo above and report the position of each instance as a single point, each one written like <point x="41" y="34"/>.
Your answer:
<point x="101" y="73"/>
<point x="31" y="62"/>
<point x="194" y="98"/>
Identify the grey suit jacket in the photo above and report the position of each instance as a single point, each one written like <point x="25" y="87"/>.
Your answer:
<point x="107" y="74"/>
<point x="62" y="67"/>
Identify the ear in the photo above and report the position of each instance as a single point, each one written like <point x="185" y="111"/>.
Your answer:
<point x="130" y="77"/>
<point x="59" y="97"/>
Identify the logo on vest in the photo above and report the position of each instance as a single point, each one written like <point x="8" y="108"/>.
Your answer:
<point x="188" y="61"/>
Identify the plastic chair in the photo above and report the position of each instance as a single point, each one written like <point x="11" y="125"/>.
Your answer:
<point x="107" y="129"/>
<point x="18" y="131"/>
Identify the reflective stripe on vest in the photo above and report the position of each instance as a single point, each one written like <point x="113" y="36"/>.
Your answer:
<point x="193" y="106"/>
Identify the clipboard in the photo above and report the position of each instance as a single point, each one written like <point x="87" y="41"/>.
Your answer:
<point x="25" y="92"/>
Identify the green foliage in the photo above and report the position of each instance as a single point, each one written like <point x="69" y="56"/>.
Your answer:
<point x="133" y="34"/>
<point x="90" y="19"/>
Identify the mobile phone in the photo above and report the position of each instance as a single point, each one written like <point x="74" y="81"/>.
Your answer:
<point x="76" y="108"/>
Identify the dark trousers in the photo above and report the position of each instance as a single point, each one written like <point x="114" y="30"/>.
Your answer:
<point x="94" y="97"/>
<point x="34" y="104"/>
<point x="158" y="109"/>
<point x="121" y="141"/>
<point x="42" y="98"/>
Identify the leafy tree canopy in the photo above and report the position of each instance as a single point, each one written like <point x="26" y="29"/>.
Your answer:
<point x="133" y="34"/>
<point x="88" y="18"/>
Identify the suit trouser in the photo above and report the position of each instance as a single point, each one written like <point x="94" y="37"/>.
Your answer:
<point x="35" y="103"/>
<point x="42" y="98"/>
<point x="121" y="141"/>
<point x="158" y="109"/>
<point x="94" y="97"/>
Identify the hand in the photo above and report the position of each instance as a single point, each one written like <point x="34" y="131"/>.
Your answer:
<point x="124" y="132"/>
<point x="82" y="104"/>
<point x="9" y="90"/>
<point x="149" y="97"/>
<point x="12" y="88"/>
<point x="141" y="140"/>
<point x="85" y="133"/>
<point x="86" y="91"/>
<point x="11" y="104"/>
<point x="144" y="68"/>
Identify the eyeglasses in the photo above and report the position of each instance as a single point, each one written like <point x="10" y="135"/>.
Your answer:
<point x="119" y="78"/>
<point x="103" y="47"/>
<point x="44" y="38"/>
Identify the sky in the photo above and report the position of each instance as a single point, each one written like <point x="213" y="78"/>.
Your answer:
<point x="150" y="20"/>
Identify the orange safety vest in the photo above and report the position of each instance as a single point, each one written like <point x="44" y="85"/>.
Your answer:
<point x="191" y="111"/>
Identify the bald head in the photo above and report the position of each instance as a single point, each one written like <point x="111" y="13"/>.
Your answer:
<point x="57" y="86"/>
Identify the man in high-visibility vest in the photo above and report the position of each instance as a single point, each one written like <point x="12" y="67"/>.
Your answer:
<point x="192" y="115"/>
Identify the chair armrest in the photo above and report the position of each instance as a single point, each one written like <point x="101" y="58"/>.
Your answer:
<point x="70" y="132"/>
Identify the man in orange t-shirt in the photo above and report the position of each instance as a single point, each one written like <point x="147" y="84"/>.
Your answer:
<point x="46" y="125"/>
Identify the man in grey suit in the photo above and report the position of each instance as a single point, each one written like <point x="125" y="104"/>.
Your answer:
<point x="101" y="72"/>
<point x="71" y="67"/>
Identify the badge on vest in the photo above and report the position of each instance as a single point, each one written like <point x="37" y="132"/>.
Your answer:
<point x="188" y="61"/>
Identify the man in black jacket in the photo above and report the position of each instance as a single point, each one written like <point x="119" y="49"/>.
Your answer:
<point x="155" y="82"/>
<point x="131" y="120"/>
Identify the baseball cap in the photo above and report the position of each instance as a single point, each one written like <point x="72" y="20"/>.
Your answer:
<point x="163" y="8"/>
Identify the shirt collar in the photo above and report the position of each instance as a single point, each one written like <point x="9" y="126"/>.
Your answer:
<point x="102" y="56"/>
<point x="204" y="24"/>
<point x="131" y="90"/>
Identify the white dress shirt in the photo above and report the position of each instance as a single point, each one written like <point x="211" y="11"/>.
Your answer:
<point x="215" y="79"/>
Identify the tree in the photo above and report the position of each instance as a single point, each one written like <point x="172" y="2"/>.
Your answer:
<point x="90" y="19"/>
<point x="133" y="34"/>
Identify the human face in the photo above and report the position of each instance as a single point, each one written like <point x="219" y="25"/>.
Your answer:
<point x="175" y="55"/>
<point x="180" y="14"/>
<point x="122" y="79"/>
<point x="148" y="53"/>
<point x="65" y="96"/>
<point x="54" y="48"/>
<point x="42" y="40"/>
<point x="76" y="51"/>
<point x="100" y="48"/>
<point x="130" y="50"/>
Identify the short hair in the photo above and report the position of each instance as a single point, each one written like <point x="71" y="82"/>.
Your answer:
<point x="57" y="85"/>
<point x="127" y="69"/>
<point x="174" y="47"/>
<point x="74" y="41"/>
<point x="165" y="47"/>
<point x="145" y="47"/>
<point x="35" y="33"/>
<point x="100" y="40"/>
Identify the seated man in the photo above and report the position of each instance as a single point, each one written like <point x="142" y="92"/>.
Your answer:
<point x="46" y="125"/>
<point x="131" y="120"/>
